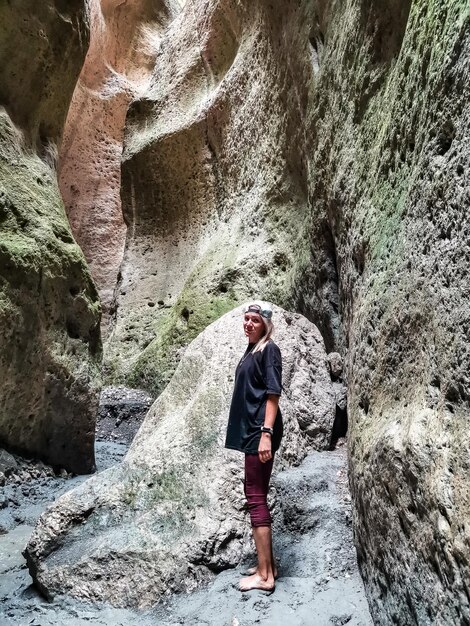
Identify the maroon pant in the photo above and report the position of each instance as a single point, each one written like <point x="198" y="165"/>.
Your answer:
<point x="257" y="477"/>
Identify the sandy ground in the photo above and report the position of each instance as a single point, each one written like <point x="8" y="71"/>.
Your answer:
<point x="318" y="585"/>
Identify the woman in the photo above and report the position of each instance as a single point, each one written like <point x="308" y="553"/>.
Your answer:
<point x="255" y="428"/>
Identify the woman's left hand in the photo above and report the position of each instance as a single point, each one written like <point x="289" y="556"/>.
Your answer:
<point x="264" y="448"/>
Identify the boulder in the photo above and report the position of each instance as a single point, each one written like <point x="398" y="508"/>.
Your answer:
<point x="173" y="512"/>
<point x="7" y="463"/>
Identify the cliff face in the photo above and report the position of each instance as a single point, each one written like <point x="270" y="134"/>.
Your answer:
<point x="390" y="183"/>
<point x="316" y="154"/>
<point x="42" y="45"/>
<point x="116" y="70"/>
<point x="49" y="308"/>
<point x="213" y="180"/>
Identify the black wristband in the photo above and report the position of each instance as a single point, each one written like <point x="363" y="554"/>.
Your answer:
<point x="266" y="429"/>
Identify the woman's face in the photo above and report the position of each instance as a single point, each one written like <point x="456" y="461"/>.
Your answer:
<point x="253" y="326"/>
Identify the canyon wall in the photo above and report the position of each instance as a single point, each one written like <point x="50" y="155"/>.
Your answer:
<point x="214" y="178"/>
<point x="391" y="183"/>
<point x="49" y="307"/>
<point x="124" y="37"/>
<point x="310" y="153"/>
<point x="316" y="154"/>
<point x="42" y="46"/>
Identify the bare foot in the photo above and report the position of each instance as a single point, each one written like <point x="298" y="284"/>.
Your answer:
<point x="256" y="582"/>
<point x="253" y="570"/>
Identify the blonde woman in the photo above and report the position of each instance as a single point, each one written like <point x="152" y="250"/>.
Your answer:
<point x="255" y="429"/>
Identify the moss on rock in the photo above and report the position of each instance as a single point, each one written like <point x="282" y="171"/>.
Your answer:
<point x="194" y="310"/>
<point x="391" y="114"/>
<point x="214" y="182"/>
<point x="49" y="317"/>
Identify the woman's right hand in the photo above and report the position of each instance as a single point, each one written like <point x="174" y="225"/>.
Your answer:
<point x="265" y="448"/>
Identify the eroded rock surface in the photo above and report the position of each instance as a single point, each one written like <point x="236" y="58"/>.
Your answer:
<point x="213" y="180"/>
<point x="314" y="153"/>
<point x="117" y="68"/>
<point x="49" y="308"/>
<point x="172" y="513"/>
<point x="42" y="47"/>
<point x="390" y="167"/>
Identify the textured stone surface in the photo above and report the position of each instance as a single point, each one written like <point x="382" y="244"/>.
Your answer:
<point x="42" y="46"/>
<point x="173" y="512"/>
<point x="213" y="180"/>
<point x="49" y="308"/>
<point x="313" y="544"/>
<point x="7" y="462"/>
<point x="317" y="153"/>
<point x="116" y="70"/>
<point x="391" y="184"/>
<point x="336" y="365"/>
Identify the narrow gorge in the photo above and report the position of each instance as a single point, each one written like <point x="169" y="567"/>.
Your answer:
<point x="163" y="162"/>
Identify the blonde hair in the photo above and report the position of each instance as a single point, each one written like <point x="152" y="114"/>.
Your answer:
<point x="269" y="327"/>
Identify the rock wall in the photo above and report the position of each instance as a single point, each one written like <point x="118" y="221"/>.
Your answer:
<point x="390" y="182"/>
<point x="42" y="46"/>
<point x="214" y="180"/>
<point x="311" y="153"/>
<point x="173" y="513"/>
<point x="123" y="40"/>
<point x="49" y="308"/>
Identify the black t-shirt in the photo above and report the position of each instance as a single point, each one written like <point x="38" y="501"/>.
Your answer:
<point x="256" y="376"/>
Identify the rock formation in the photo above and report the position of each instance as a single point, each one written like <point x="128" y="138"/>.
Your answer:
<point x="49" y="308"/>
<point x="42" y="46"/>
<point x="391" y="184"/>
<point x="311" y="153"/>
<point x="173" y="512"/>
<point x="213" y="180"/>
<point x="116" y="70"/>
<point x="362" y="120"/>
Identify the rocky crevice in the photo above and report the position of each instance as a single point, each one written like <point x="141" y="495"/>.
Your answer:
<point x="313" y="154"/>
